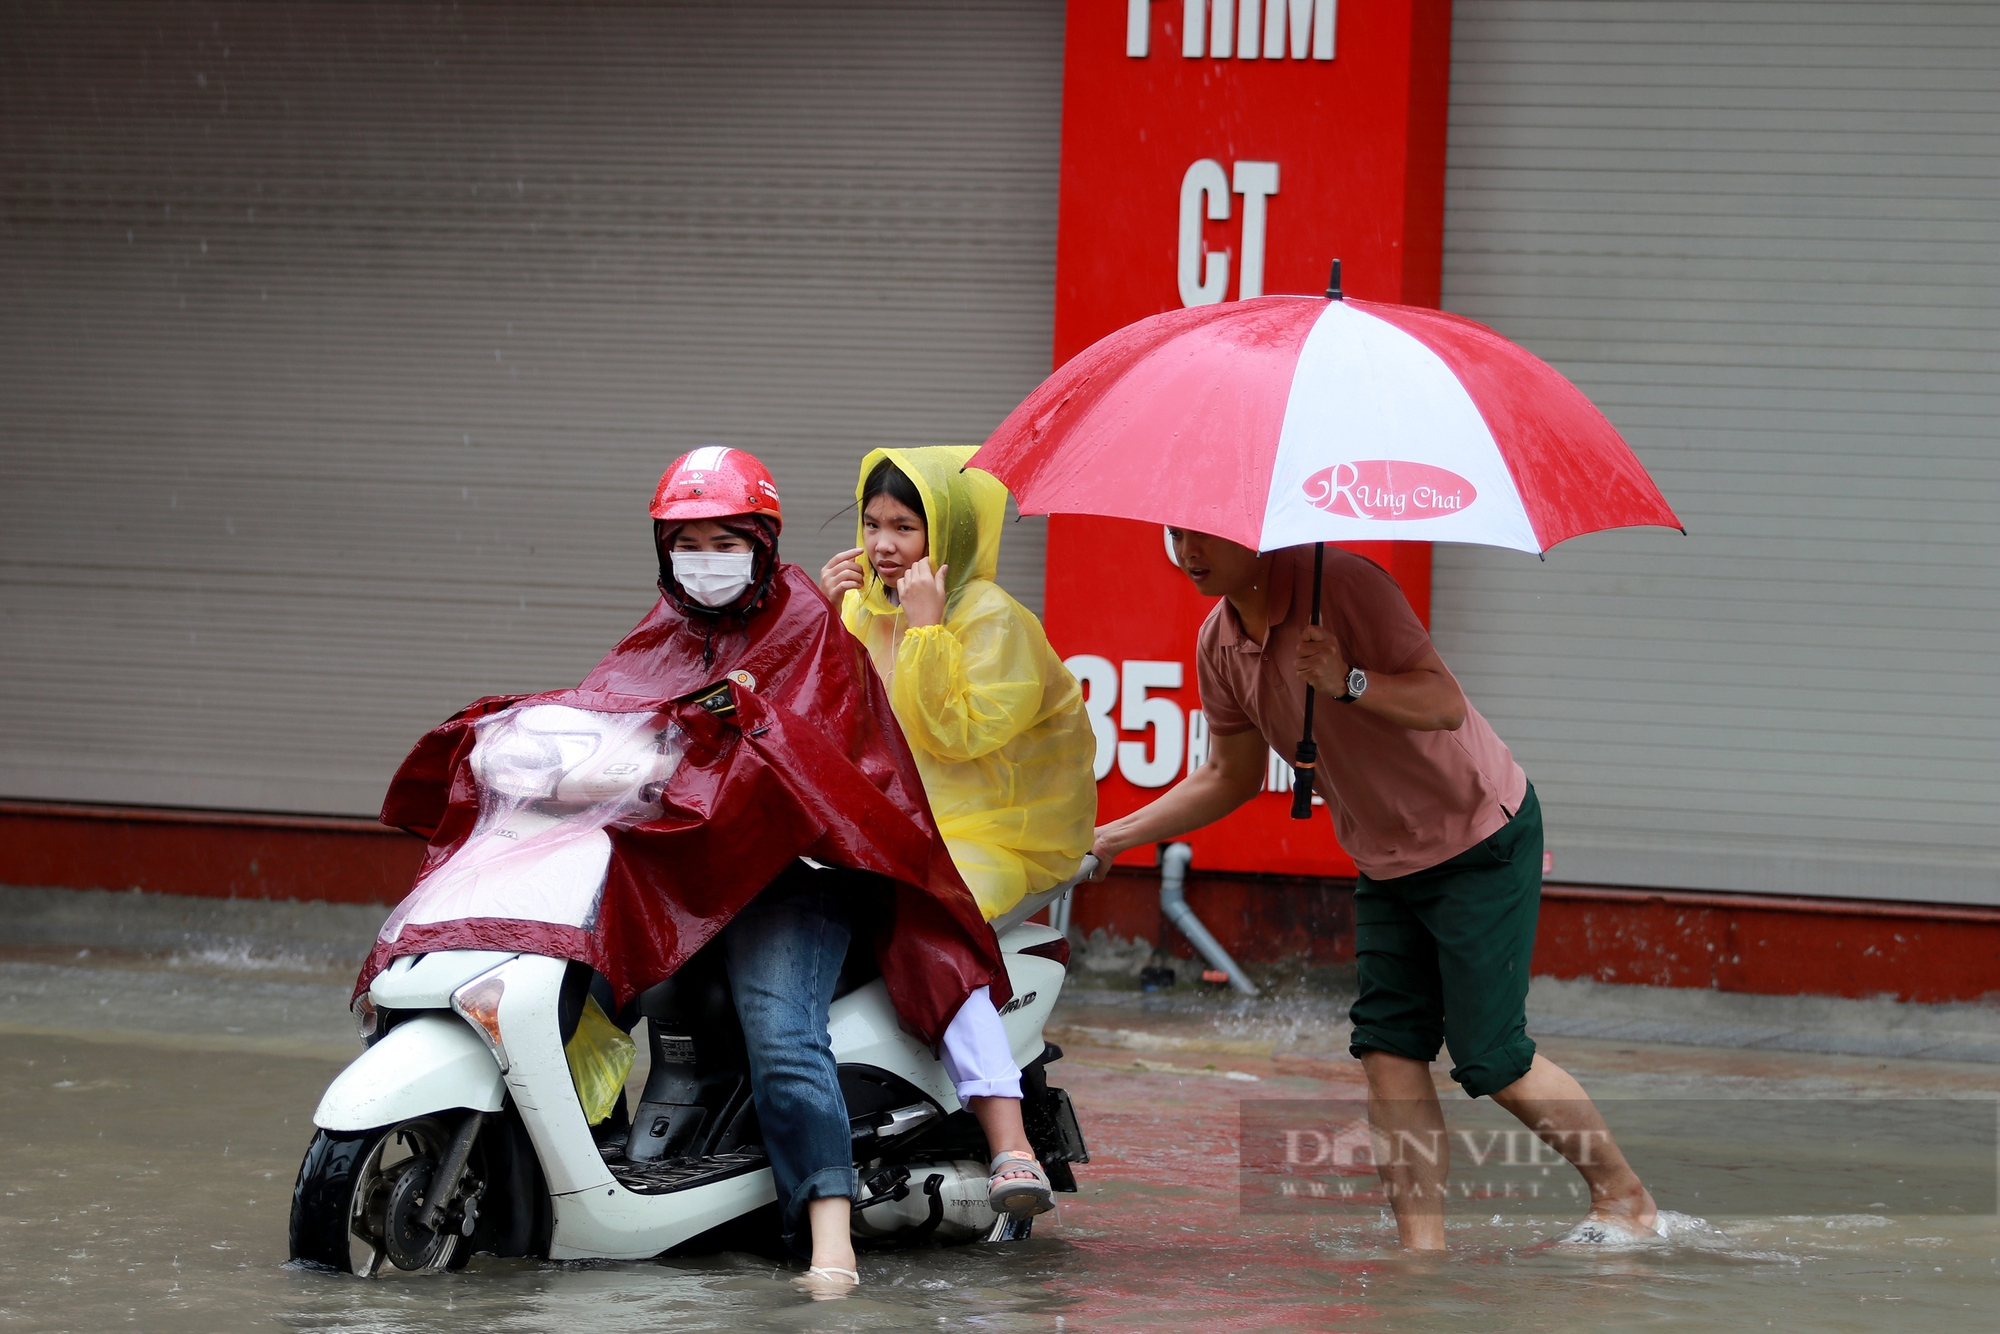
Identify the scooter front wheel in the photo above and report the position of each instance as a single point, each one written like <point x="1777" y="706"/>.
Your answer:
<point x="347" y="1191"/>
<point x="323" y="1200"/>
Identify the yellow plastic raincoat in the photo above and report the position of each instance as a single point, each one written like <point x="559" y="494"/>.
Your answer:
<point x="994" y="718"/>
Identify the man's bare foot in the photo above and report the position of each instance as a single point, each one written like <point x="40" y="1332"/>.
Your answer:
<point x="1630" y="1217"/>
<point x="1635" y="1207"/>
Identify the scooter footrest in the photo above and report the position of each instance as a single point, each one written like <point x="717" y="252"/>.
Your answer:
<point x="665" y="1176"/>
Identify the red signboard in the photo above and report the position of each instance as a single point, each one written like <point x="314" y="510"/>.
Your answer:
<point x="1214" y="150"/>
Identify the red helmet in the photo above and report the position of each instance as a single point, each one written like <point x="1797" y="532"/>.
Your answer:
<point x="716" y="481"/>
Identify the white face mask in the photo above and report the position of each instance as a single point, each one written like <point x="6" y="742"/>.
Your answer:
<point x="714" y="578"/>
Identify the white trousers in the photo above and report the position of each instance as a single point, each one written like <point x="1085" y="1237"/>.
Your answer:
<point x="976" y="1055"/>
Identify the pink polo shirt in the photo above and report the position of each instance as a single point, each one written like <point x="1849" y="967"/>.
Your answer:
<point x="1401" y="800"/>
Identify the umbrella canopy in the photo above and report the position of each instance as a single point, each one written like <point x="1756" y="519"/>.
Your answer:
<point x="1284" y="420"/>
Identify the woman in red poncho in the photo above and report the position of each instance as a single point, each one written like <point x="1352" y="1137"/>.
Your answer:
<point x="793" y="757"/>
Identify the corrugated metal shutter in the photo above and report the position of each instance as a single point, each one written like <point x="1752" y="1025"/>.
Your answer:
<point x="1765" y="237"/>
<point x="341" y="345"/>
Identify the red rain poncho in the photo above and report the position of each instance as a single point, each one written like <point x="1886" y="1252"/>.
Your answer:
<point x="812" y="764"/>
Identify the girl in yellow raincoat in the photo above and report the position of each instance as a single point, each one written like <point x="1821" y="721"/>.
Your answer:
<point x="995" y="721"/>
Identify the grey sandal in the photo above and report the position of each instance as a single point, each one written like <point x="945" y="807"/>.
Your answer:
<point x="1024" y="1191"/>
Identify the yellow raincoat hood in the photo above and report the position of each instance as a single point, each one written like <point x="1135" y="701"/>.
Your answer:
<point x="995" y="721"/>
<point x="963" y="510"/>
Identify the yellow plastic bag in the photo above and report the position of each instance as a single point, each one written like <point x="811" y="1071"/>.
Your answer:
<point x="599" y="1059"/>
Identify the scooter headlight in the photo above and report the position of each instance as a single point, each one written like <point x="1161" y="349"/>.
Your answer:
<point x="478" y="1002"/>
<point x="367" y="1019"/>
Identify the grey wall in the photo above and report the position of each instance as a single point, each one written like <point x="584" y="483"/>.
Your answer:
<point x="341" y="345"/>
<point x="1765" y="238"/>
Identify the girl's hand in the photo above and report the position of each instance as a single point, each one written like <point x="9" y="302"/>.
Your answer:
<point x="840" y="574"/>
<point x="922" y="593"/>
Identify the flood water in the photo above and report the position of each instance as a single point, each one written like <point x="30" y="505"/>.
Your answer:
<point x="147" y="1177"/>
<point x="161" y="1061"/>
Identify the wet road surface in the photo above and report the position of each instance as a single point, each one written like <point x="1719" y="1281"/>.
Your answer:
<point x="156" y="1095"/>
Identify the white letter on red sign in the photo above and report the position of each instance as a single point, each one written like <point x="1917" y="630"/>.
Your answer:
<point x="1138" y="28"/>
<point x="1222" y="27"/>
<point x="1194" y="28"/>
<point x="1100" y="691"/>
<point x="1136" y="713"/>
<point x="1309" y="17"/>
<point x="1255" y="181"/>
<point x="1197" y="745"/>
<point x="1204" y="276"/>
<point x="1277" y="772"/>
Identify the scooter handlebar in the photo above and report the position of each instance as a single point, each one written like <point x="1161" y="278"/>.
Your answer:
<point x="1034" y="903"/>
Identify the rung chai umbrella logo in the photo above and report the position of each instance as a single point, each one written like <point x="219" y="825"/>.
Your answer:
<point x="1389" y="489"/>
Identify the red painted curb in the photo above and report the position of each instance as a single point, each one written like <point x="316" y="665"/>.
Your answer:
<point x="1755" y="943"/>
<point x="207" y="854"/>
<point x="1770" y="945"/>
<point x="1258" y="919"/>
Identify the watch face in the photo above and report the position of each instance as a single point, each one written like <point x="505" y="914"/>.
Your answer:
<point x="1357" y="681"/>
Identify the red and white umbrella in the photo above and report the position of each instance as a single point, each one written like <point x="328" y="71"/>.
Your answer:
<point x="1284" y="420"/>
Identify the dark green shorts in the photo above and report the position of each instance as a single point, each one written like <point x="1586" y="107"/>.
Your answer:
<point x="1443" y="955"/>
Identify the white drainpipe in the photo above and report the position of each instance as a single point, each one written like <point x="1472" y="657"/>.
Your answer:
<point x="1174" y="859"/>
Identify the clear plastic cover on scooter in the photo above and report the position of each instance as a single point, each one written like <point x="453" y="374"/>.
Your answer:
<point x="551" y="779"/>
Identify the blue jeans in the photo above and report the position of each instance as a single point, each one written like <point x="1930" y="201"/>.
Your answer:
<point x="784" y="952"/>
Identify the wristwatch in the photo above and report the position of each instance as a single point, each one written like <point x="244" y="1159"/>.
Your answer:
<point x="1357" y="682"/>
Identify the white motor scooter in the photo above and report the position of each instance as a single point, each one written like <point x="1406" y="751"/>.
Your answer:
<point x="459" y="1129"/>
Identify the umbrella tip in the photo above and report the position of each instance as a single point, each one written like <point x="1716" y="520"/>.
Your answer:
<point x="1333" y="283"/>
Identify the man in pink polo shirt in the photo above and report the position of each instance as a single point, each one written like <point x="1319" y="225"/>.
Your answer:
<point x="1447" y="834"/>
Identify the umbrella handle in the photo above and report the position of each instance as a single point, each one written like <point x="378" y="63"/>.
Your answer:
<point x="1302" y="768"/>
<point x="1307" y="754"/>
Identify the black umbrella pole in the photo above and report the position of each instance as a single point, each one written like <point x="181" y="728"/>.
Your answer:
<point x="1307" y="755"/>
